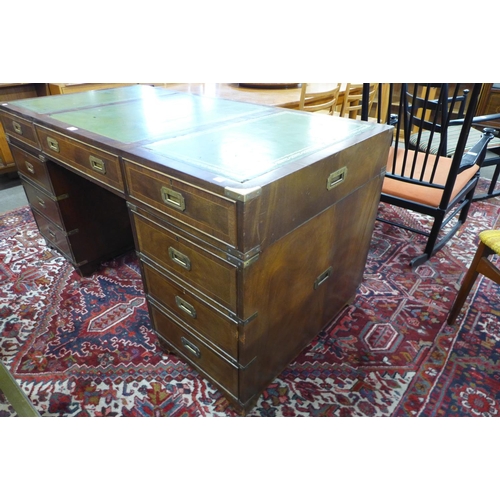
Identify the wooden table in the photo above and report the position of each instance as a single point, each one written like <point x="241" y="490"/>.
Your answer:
<point x="279" y="97"/>
<point x="71" y="88"/>
<point x="252" y="223"/>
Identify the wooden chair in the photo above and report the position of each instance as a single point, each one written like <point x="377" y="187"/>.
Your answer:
<point x="324" y="101"/>
<point x="451" y="134"/>
<point x="489" y="244"/>
<point x="352" y="102"/>
<point x="432" y="184"/>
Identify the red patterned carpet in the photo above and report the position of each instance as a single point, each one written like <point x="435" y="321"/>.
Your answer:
<point x="84" y="347"/>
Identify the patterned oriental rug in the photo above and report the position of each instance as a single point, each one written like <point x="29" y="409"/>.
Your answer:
<point x="84" y="347"/>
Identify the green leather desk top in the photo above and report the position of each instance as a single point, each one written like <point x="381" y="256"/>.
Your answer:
<point x="57" y="103"/>
<point x="161" y="116"/>
<point x="247" y="149"/>
<point x="235" y="140"/>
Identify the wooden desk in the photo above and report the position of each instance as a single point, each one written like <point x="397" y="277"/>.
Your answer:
<point x="252" y="224"/>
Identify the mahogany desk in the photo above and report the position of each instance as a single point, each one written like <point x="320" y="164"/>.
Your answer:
<point x="252" y="223"/>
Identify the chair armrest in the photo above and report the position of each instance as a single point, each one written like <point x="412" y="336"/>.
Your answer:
<point x="477" y="119"/>
<point x="486" y="118"/>
<point x="473" y="155"/>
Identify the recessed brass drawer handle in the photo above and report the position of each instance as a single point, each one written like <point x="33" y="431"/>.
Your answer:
<point x="173" y="198"/>
<point x="53" y="144"/>
<point x="191" y="347"/>
<point x="179" y="258"/>
<point x="17" y="127"/>
<point x="323" y="277"/>
<point x="29" y="167"/>
<point x="185" y="306"/>
<point x="97" y="165"/>
<point x="41" y="202"/>
<point x="336" y="178"/>
<point x="52" y="234"/>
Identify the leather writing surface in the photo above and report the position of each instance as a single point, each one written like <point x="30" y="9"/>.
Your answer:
<point x="244" y="150"/>
<point x="58" y="103"/>
<point x="156" y="117"/>
<point x="138" y="113"/>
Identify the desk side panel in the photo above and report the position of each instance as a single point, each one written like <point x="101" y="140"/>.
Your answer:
<point x="301" y="283"/>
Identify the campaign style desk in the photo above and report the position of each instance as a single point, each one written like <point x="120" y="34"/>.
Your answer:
<point x="252" y="223"/>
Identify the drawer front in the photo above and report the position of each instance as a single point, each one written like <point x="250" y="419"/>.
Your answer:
<point x="21" y="129"/>
<point x="100" y="165"/>
<point x="200" y="269"/>
<point x="54" y="235"/>
<point x="32" y="168"/>
<point x="213" y="215"/>
<point x="45" y="205"/>
<point x="200" y="355"/>
<point x="212" y="325"/>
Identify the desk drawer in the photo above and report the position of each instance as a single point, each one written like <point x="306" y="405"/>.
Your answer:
<point x="32" y="168"/>
<point x="202" y="270"/>
<point x="211" y="214"/>
<point x="200" y="355"/>
<point x="96" y="163"/>
<point x="55" y="236"/>
<point x="45" y="205"/>
<point x="21" y="129"/>
<point x="207" y="321"/>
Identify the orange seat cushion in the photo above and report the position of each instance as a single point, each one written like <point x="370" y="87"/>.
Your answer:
<point x="423" y="194"/>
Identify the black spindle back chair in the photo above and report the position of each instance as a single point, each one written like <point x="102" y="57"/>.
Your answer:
<point x="431" y="183"/>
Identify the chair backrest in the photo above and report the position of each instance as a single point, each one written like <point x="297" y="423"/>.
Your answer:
<point x="355" y="100"/>
<point x="431" y="107"/>
<point x="431" y="110"/>
<point x="314" y="97"/>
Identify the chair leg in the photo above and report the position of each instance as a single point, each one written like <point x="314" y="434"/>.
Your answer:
<point x="475" y="268"/>
<point x="433" y="236"/>
<point x="468" y="203"/>
<point x="494" y="179"/>
<point x="432" y="245"/>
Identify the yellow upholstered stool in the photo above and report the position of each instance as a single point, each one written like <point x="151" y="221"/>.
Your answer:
<point x="489" y="244"/>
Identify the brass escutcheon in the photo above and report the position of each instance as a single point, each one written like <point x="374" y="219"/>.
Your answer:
<point x="97" y="164"/>
<point x="179" y="258"/>
<point x="191" y="347"/>
<point x="185" y="306"/>
<point x="336" y="178"/>
<point x="323" y="277"/>
<point x="17" y="128"/>
<point x="173" y="198"/>
<point x="53" y="144"/>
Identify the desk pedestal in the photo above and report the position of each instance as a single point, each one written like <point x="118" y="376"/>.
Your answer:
<point x="252" y="225"/>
